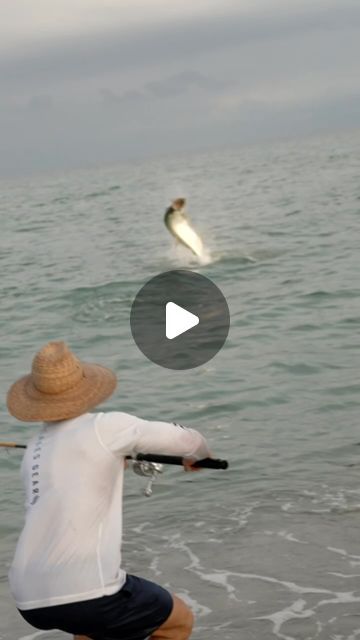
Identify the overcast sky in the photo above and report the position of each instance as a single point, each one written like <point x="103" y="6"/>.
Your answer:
<point x="87" y="82"/>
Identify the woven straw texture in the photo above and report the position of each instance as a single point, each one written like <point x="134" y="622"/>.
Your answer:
<point x="59" y="386"/>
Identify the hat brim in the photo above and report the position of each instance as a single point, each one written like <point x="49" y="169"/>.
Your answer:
<point x="28" y="404"/>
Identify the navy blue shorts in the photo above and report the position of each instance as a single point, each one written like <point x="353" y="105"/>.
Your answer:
<point x="133" y="613"/>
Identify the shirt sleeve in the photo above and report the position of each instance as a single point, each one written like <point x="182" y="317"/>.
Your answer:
<point x="124" y="434"/>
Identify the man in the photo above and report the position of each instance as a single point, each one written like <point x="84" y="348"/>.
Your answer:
<point x="67" y="572"/>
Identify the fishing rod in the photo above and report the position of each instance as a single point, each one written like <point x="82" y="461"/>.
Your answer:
<point x="205" y="463"/>
<point x="150" y="464"/>
<point x="12" y="445"/>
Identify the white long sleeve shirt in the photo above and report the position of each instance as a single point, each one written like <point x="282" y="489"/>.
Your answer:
<point x="70" y="547"/>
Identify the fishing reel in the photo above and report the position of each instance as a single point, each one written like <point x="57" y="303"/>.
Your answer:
<point x="150" y="470"/>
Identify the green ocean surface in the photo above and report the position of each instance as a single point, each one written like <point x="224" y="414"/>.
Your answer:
<point x="269" y="548"/>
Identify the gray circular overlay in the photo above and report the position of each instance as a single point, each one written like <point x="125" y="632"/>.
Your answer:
<point x="194" y="293"/>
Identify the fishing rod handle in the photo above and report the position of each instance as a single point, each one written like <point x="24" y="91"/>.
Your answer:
<point x="206" y="463"/>
<point x="12" y="445"/>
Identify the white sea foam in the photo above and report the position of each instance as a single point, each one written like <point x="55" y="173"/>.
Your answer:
<point x="206" y="258"/>
<point x="290" y="537"/>
<point x="221" y="578"/>
<point x="343" y="575"/>
<point x="291" y="586"/>
<point x="287" y="506"/>
<point x="218" y="577"/>
<point x="278" y="618"/>
<point x="200" y="610"/>
<point x="346" y="597"/>
<point x="141" y="527"/>
<point x="154" y="564"/>
<point x="286" y="535"/>
<point x="344" y="553"/>
<point x="51" y="634"/>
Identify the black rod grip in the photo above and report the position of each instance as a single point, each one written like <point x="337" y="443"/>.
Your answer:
<point x="206" y="463"/>
<point x="212" y="463"/>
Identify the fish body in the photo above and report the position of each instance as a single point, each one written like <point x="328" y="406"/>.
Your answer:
<point x="179" y="226"/>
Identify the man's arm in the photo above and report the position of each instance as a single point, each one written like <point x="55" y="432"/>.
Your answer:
<point x="124" y="434"/>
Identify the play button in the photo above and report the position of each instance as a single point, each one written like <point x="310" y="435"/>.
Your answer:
<point x="179" y="319"/>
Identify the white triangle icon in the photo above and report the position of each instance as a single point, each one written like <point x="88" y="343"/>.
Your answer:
<point x="178" y="320"/>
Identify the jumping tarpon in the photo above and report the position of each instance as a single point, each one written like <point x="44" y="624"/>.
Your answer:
<point x="179" y="226"/>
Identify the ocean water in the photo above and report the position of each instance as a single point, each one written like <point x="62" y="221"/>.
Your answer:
<point x="269" y="548"/>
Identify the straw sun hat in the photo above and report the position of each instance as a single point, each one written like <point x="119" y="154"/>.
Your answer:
<point x="59" y="386"/>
